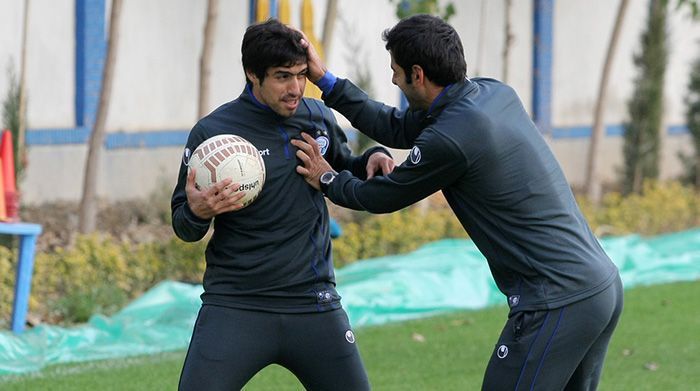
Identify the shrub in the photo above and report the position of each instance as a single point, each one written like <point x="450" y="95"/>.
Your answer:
<point x="662" y="207"/>
<point x="69" y="283"/>
<point x="395" y="233"/>
<point x="101" y="272"/>
<point x="8" y="267"/>
<point x="642" y="142"/>
<point x="77" y="306"/>
<point x="691" y="162"/>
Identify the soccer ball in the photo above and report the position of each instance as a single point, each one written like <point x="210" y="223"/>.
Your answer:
<point x="229" y="156"/>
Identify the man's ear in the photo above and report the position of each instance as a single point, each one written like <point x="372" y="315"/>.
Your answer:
<point x="417" y="74"/>
<point x="251" y="76"/>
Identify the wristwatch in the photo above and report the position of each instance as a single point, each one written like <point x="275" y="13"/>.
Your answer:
<point x="326" y="179"/>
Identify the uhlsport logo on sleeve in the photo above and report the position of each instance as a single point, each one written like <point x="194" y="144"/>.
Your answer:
<point x="502" y="351"/>
<point x="350" y="336"/>
<point x="186" y="156"/>
<point x="415" y="155"/>
<point x="513" y="300"/>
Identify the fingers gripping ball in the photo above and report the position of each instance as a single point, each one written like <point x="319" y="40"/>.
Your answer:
<point x="229" y="156"/>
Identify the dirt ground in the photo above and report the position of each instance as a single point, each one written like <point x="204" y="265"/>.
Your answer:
<point x="134" y="221"/>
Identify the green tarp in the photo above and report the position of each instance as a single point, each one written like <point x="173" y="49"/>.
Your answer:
<point x="160" y="320"/>
<point x="441" y="276"/>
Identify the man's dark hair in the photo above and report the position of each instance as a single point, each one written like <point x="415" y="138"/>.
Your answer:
<point x="430" y="42"/>
<point x="270" y="44"/>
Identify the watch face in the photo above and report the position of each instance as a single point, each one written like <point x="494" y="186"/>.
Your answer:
<point x="327" y="177"/>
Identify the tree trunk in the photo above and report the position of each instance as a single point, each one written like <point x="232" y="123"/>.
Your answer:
<point x="480" y="39"/>
<point x="21" y="155"/>
<point x="205" y="59"/>
<point x="638" y="178"/>
<point x="88" y="204"/>
<point x="593" y="181"/>
<point x="508" y="40"/>
<point x="329" y="25"/>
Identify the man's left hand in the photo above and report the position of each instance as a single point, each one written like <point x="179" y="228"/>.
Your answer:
<point x="314" y="165"/>
<point x="377" y="162"/>
<point x="316" y="66"/>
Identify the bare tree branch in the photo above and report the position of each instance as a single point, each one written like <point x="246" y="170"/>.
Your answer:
<point x="88" y="204"/>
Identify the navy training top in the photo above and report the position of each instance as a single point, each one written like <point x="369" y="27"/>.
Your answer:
<point x="478" y="145"/>
<point x="275" y="254"/>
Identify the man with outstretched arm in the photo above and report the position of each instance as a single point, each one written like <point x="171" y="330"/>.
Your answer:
<point x="473" y="140"/>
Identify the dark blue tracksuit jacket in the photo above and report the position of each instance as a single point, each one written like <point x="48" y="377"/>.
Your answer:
<point x="275" y="254"/>
<point x="478" y="145"/>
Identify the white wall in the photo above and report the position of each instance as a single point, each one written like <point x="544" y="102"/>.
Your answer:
<point x="156" y="77"/>
<point x="50" y="58"/>
<point x="10" y="32"/>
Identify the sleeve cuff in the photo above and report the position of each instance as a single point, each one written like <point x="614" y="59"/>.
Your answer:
<point x="193" y="217"/>
<point x="378" y="148"/>
<point x="327" y="82"/>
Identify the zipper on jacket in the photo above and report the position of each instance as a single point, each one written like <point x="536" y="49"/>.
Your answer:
<point x="285" y="136"/>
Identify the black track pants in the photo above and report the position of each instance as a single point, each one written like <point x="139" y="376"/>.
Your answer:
<point x="560" y="349"/>
<point x="229" y="346"/>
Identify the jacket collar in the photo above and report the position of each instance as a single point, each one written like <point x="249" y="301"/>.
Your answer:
<point x="255" y="106"/>
<point x="449" y="94"/>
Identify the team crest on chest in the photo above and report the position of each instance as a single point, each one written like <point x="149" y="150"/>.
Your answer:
<point x="323" y="143"/>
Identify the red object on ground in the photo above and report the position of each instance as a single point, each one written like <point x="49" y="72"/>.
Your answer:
<point x="3" y="210"/>
<point x="8" y="176"/>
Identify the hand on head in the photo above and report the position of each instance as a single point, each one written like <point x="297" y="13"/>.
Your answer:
<point x="316" y="66"/>
<point x="220" y="198"/>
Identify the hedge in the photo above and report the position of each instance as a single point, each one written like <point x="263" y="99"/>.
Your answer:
<point x="101" y="272"/>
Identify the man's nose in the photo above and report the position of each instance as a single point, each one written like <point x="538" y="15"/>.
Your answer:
<point x="296" y="86"/>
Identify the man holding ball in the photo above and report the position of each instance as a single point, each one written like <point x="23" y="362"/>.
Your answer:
<point x="269" y="286"/>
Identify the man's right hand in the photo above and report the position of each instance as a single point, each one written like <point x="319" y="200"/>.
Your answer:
<point x="222" y="197"/>
<point x="316" y="66"/>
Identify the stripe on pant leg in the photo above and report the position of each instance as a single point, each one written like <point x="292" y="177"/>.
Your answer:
<point x="529" y="350"/>
<point x="544" y="354"/>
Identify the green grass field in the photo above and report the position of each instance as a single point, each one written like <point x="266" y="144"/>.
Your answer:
<point x="656" y="347"/>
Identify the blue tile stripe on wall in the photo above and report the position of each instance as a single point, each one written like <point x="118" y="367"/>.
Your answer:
<point x="178" y="138"/>
<point x="114" y="140"/>
<point x="90" y="53"/>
